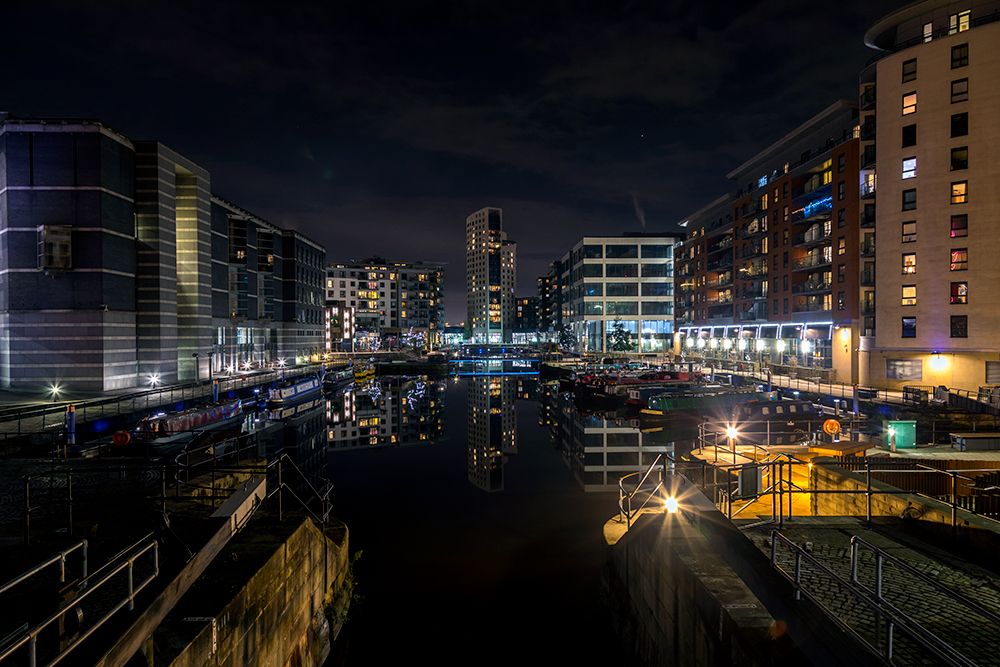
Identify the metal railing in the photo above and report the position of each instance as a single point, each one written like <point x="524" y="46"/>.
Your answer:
<point x="103" y="580"/>
<point x="52" y="416"/>
<point x="885" y="614"/>
<point x="60" y="558"/>
<point x="882" y="557"/>
<point x="625" y="497"/>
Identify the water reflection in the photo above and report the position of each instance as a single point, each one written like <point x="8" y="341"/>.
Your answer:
<point x="386" y="411"/>
<point x="492" y="430"/>
<point x="600" y="448"/>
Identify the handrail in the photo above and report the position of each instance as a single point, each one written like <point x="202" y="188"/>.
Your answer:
<point x="881" y="555"/>
<point x="60" y="558"/>
<point x="625" y="497"/>
<point x="30" y="638"/>
<point x="896" y="618"/>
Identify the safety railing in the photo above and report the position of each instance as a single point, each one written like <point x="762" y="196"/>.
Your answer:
<point x="42" y="418"/>
<point x="627" y="509"/>
<point x="887" y="618"/>
<point x="60" y="557"/>
<point x="115" y="595"/>
<point x="882" y="557"/>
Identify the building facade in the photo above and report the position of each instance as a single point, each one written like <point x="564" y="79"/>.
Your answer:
<point x="119" y="269"/>
<point x="929" y="176"/>
<point x="771" y="272"/>
<point x="619" y="289"/>
<point x="390" y="299"/>
<point x="490" y="263"/>
<point x="549" y="307"/>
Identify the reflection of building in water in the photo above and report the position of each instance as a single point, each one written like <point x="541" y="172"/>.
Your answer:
<point x="492" y="429"/>
<point x="599" y="451"/>
<point x="301" y="437"/>
<point x="386" y="412"/>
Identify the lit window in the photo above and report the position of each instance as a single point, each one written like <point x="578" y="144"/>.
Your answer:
<point x="928" y="32"/>
<point x="909" y="295"/>
<point x="910" y="263"/>
<point x="909" y="167"/>
<point x="959" y="22"/>
<point x="959" y="226"/>
<point x="959" y="292"/>
<point x="909" y="103"/>
<point x="909" y="231"/>
<point x="959" y="192"/>
<point x="959" y="259"/>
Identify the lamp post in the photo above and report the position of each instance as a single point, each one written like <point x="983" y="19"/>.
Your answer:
<point x="731" y="434"/>
<point x="197" y="367"/>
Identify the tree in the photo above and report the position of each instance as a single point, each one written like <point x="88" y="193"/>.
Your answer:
<point x="567" y="340"/>
<point x="621" y="338"/>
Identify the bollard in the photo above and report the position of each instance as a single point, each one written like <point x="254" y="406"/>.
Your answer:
<point x="70" y="424"/>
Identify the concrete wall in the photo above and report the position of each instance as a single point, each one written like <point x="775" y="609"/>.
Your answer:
<point x="677" y="602"/>
<point x="277" y="617"/>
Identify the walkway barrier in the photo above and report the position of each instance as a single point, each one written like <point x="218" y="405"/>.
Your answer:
<point x="98" y="598"/>
<point x="808" y="573"/>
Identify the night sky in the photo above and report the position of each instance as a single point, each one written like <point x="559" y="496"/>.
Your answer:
<point x="377" y="127"/>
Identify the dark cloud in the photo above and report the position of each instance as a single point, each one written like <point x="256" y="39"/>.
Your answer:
<point x="377" y="127"/>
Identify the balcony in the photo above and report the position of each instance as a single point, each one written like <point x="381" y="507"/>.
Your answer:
<point x="868" y="249"/>
<point x="812" y="286"/>
<point x="719" y="300"/>
<point x="867" y="308"/>
<point x="723" y="280"/>
<point x="752" y="229"/>
<point x="757" y="293"/>
<point x="868" y="157"/>
<point x="724" y="244"/>
<point x="753" y="270"/>
<point x="868" y="98"/>
<point x="812" y="304"/>
<point x="812" y="261"/>
<point x="867" y="190"/>
<point x="757" y="313"/>
<point x="749" y="210"/>
<point x="868" y="217"/>
<point x="752" y="250"/>
<point x="868" y="278"/>
<point x="818" y="208"/>
<point x="721" y="263"/>
<point x="868" y="131"/>
<point x="815" y="236"/>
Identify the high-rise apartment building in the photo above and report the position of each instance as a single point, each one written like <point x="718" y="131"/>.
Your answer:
<point x="618" y="287"/>
<point x="549" y="313"/>
<point x="390" y="298"/>
<point x="770" y="272"/>
<point x="929" y="175"/>
<point x="490" y="261"/>
<point x="119" y="269"/>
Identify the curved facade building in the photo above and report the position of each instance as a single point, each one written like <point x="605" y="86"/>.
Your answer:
<point x="930" y="187"/>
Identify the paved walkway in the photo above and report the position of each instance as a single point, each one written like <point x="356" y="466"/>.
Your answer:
<point x="961" y="626"/>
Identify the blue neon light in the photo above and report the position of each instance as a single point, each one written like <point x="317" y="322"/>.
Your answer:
<point x="818" y="206"/>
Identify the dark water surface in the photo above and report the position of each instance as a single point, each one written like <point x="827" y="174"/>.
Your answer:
<point x="479" y="545"/>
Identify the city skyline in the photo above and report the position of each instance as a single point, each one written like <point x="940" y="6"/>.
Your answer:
<point x="595" y="118"/>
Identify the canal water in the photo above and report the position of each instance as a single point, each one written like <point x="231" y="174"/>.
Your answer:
<point x="478" y="521"/>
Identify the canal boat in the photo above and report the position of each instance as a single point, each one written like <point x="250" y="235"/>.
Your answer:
<point x="701" y="397"/>
<point x="168" y="429"/>
<point x="293" y="391"/>
<point x="338" y="376"/>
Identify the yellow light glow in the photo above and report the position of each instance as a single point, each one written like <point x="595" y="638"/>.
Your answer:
<point x="671" y="505"/>
<point x="732" y="433"/>
<point x="938" y="362"/>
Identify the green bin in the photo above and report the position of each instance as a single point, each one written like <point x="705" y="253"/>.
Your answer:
<point x="900" y="434"/>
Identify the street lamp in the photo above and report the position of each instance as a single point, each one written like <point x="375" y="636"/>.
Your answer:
<point x="54" y="390"/>
<point x="732" y="434"/>
<point x="197" y="367"/>
<point x="154" y="379"/>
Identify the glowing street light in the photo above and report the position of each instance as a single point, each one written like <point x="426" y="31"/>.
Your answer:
<point x="230" y="369"/>
<point x="671" y="505"/>
<point x="281" y="362"/>
<point x="154" y="379"/>
<point x="54" y="390"/>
